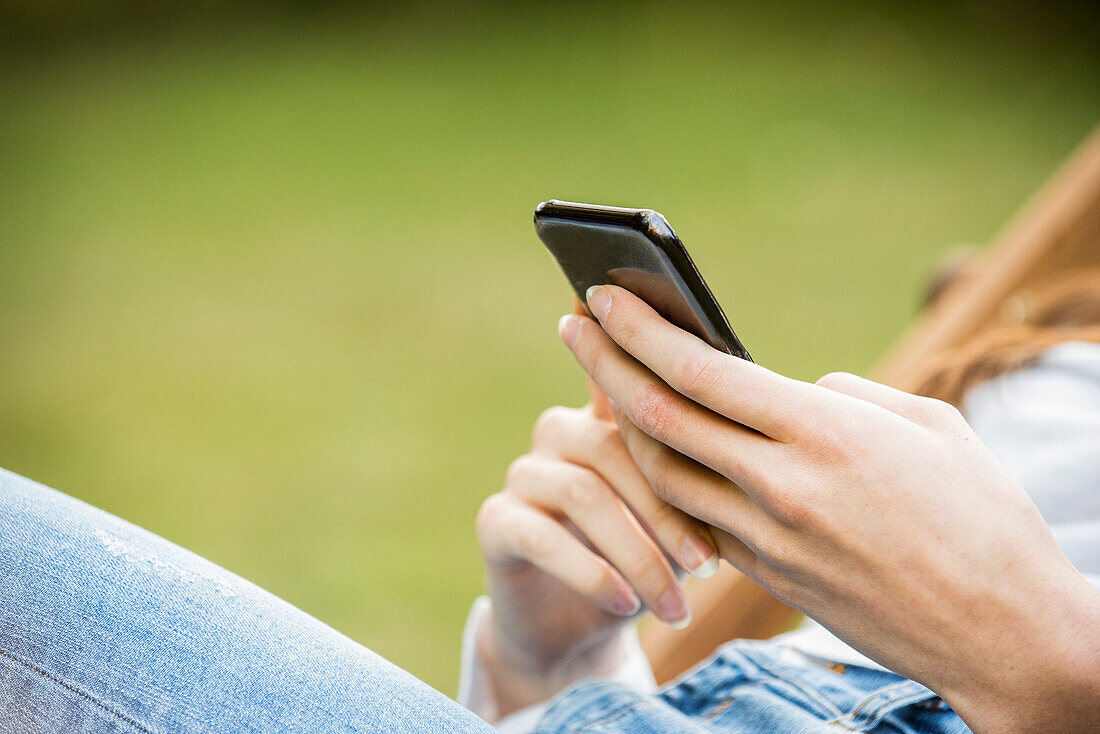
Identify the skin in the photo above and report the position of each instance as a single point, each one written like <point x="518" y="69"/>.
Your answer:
<point x="574" y="544"/>
<point x="879" y="514"/>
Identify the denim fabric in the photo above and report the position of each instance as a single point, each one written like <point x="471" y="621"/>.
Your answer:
<point x="107" y="628"/>
<point x="751" y="688"/>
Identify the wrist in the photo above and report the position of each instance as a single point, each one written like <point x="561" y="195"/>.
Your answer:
<point x="1043" y="672"/>
<point x="519" y="679"/>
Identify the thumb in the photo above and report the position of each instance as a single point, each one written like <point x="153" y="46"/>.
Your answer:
<point x="597" y="398"/>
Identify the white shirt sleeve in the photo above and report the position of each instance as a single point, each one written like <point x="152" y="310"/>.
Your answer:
<point x="475" y="693"/>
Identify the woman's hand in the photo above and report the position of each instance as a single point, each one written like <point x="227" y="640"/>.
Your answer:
<point x="876" y="512"/>
<point x="574" y="544"/>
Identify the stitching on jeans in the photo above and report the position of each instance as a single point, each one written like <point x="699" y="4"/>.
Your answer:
<point x="797" y="683"/>
<point x="878" y="712"/>
<point x="884" y="692"/>
<point x="77" y="691"/>
<point x="851" y="716"/>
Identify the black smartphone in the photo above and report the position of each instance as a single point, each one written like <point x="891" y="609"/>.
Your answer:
<point x="635" y="249"/>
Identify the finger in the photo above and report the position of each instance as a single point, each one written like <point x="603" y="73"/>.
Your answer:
<point x="695" y="489"/>
<point x="742" y="391"/>
<point x="727" y="447"/>
<point x="599" y="514"/>
<point x="736" y="553"/>
<point x="915" y="408"/>
<point x="704" y="495"/>
<point x="597" y="398"/>
<point x="576" y="437"/>
<point x="510" y="529"/>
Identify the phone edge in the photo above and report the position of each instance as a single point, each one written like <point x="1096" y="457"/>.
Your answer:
<point x="653" y="225"/>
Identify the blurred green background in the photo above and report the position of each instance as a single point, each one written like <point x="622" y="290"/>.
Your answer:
<point x="269" y="285"/>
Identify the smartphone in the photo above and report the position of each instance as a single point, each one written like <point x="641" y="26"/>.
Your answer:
<point x="635" y="249"/>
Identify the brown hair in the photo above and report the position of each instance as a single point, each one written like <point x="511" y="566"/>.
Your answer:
<point x="1032" y="320"/>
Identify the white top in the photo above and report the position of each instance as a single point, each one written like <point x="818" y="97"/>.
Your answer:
<point x="1042" y="423"/>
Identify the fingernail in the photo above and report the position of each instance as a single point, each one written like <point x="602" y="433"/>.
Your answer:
<point x="568" y="329"/>
<point x="672" y="608"/>
<point x="626" y="602"/>
<point x="683" y="623"/>
<point x="699" y="557"/>
<point x="599" y="301"/>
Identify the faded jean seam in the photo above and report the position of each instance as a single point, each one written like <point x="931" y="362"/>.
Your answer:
<point x="872" y="712"/>
<point x="77" y="691"/>
<point x="795" y="682"/>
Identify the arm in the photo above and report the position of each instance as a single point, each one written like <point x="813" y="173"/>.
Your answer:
<point x="876" y="512"/>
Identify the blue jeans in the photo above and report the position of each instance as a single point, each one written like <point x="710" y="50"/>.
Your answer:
<point x="754" y="688"/>
<point x="105" y="627"/>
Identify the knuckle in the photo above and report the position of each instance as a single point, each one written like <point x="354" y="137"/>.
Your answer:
<point x="638" y="571"/>
<point x="666" y="516"/>
<point x="598" y="584"/>
<point x="931" y="412"/>
<point x="517" y="470"/>
<point x="652" y="411"/>
<point x="534" y="545"/>
<point x="663" y="490"/>
<point x="700" y="375"/>
<point x="827" y="444"/>
<point x="549" y="423"/>
<point x="657" y="472"/>
<point x="490" y="514"/>
<point x="835" y="380"/>
<point x="591" y="360"/>
<point x="644" y="566"/>
<point x="846" y="450"/>
<point x="585" y="491"/>
<point x="626" y="331"/>
<point x="943" y="412"/>
<point x="659" y="476"/>
<point x="794" y="509"/>
<point x="650" y="574"/>
<point x="839" y="439"/>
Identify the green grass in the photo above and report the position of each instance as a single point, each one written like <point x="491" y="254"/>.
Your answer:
<point x="271" y="290"/>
